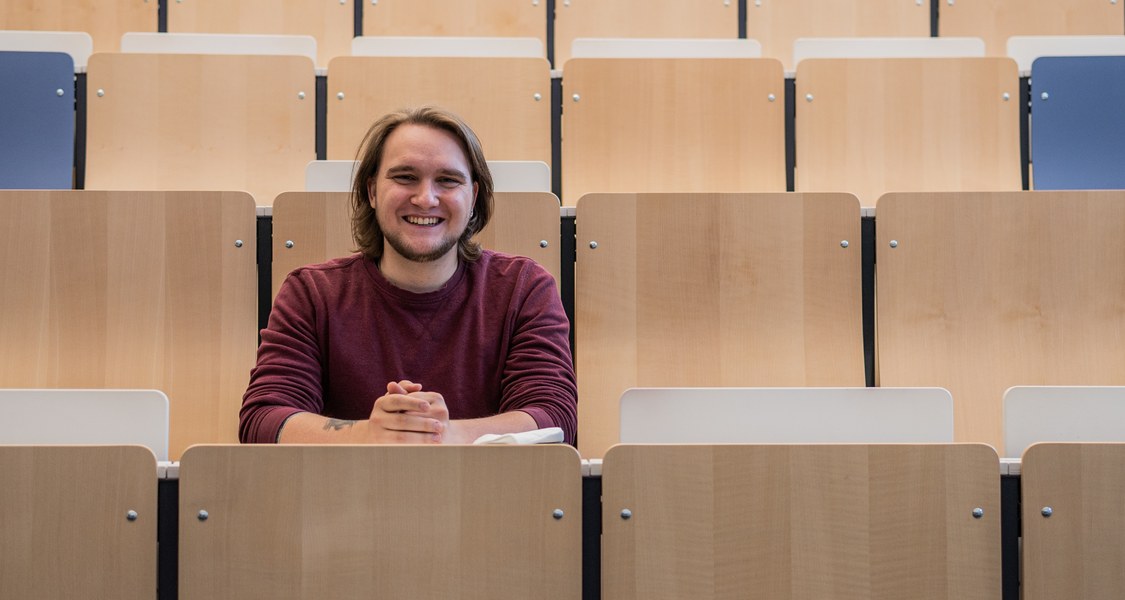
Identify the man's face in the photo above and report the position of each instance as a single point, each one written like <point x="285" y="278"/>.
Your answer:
<point x="423" y="193"/>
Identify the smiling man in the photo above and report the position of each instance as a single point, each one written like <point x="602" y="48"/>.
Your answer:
<point x="422" y="337"/>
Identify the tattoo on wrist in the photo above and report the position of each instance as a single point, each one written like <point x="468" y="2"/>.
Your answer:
<point x="337" y="424"/>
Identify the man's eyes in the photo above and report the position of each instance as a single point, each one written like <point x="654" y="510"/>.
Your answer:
<point x="448" y="182"/>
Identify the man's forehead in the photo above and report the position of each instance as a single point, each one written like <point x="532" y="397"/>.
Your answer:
<point x="421" y="145"/>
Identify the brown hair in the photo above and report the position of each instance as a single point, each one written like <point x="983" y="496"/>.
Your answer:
<point x="365" y="227"/>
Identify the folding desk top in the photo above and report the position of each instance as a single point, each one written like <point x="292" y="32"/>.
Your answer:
<point x="786" y="415"/>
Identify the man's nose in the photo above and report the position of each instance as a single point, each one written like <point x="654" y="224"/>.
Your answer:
<point x="426" y="195"/>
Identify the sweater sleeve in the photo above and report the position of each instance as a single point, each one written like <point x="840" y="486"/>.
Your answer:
<point x="287" y="378"/>
<point x="539" y="371"/>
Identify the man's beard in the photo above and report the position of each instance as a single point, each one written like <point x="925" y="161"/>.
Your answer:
<point x="411" y="254"/>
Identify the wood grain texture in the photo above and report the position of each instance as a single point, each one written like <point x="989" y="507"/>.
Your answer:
<point x="900" y="125"/>
<point x="641" y="19"/>
<point x="319" y="225"/>
<point x="990" y="290"/>
<point x="797" y="522"/>
<point x="1078" y="552"/>
<point x="105" y="20"/>
<point x="712" y="290"/>
<point x="480" y="18"/>
<point x="996" y="20"/>
<point x="643" y="125"/>
<point x="496" y="96"/>
<point x="776" y="24"/>
<point x="132" y="290"/>
<point x="331" y="22"/>
<point x="200" y="122"/>
<point x="290" y="522"/>
<point x="63" y="528"/>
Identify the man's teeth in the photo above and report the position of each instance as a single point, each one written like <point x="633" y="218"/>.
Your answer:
<point x="422" y="220"/>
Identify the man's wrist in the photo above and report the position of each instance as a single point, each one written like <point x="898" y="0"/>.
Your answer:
<point x="453" y="434"/>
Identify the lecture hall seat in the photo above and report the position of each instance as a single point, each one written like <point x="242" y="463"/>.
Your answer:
<point x="507" y="100"/>
<point x="574" y="19"/>
<point x="642" y="125"/>
<point x="200" y="122"/>
<point x="104" y="20"/>
<point x="457" y="18"/>
<point x="330" y="22"/>
<point x="874" y="125"/>
<point x="149" y="290"/>
<point x="778" y="24"/>
<point x="850" y="522"/>
<point x="36" y="120"/>
<point x="1073" y="541"/>
<point x="981" y="291"/>
<point x="712" y="290"/>
<point x="997" y="20"/>
<point x="399" y="522"/>
<point x="78" y="522"/>
<point x="1078" y="126"/>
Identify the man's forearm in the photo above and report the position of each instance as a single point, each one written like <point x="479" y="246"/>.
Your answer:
<point x="309" y="428"/>
<point x="466" y="431"/>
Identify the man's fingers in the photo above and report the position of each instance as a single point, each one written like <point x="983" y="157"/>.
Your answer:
<point x="409" y="386"/>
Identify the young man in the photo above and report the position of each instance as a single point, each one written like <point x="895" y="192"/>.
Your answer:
<point x="423" y="337"/>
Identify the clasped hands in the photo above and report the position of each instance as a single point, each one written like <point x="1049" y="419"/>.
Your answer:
<point x="408" y="415"/>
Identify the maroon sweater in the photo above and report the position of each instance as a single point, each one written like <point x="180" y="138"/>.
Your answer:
<point x="493" y="339"/>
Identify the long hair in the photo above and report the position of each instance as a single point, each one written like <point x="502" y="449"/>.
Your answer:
<point x="365" y="226"/>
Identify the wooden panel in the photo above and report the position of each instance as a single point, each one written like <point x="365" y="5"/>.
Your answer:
<point x="505" y="100"/>
<point x="641" y="19"/>
<point x="899" y="125"/>
<point x="778" y="23"/>
<point x="990" y="290"/>
<point x="782" y="521"/>
<point x="331" y="22"/>
<point x="211" y="122"/>
<point x="1078" y="551"/>
<point x="480" y="18"/>
<point x="997" y="20"/>
<point x="132" y="290"/>
<point x="641" y="125"/>
<point x="403" y="521"/>
<point x="63" y="527"/>
<point x="105" y="20"/>
<point x="721" y="290"/>
<point x="319" y="225"/>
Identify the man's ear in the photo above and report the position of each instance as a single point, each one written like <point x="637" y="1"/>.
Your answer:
<point x="371" y="192"/>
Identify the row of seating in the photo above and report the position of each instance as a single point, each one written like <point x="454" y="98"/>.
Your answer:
<point x="976" y="292"/>
<point x="867" y="126"/>
<point x="699" y="521"/>
<point x="775" y="23"/>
